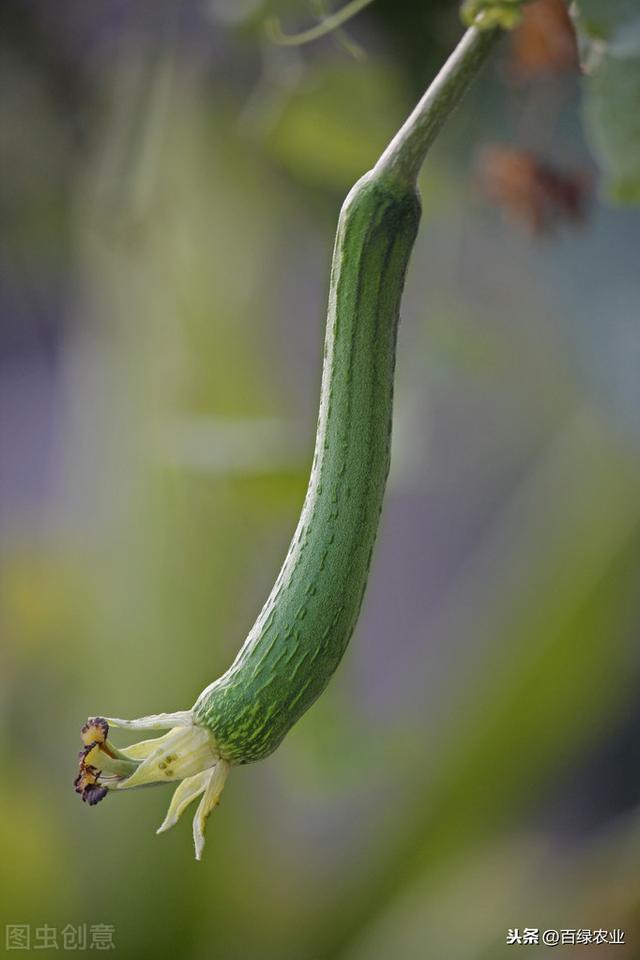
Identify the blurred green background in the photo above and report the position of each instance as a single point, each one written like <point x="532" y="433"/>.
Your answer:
<point x="171" y="182"/>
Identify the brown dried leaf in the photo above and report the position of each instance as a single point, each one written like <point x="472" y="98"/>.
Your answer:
<point x="531" y="192"/>
<point x="545" y="42"/>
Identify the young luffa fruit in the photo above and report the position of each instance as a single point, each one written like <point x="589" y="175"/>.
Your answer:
<point x="302" y="632"/>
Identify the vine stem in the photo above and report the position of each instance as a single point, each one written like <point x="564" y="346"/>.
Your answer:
<point x="330" y="23"/>
<point x="403" y="158"/>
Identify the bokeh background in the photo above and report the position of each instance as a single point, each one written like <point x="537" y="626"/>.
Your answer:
<point x="170" y="186"/>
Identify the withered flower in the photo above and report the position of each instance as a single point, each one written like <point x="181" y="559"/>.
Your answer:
<point x="529" y="190"/>
<point x="187" y="753"/>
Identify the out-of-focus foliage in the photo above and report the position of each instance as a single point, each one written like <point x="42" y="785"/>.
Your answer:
<point x="170" y="188"/>
<point x="612" y="37"/>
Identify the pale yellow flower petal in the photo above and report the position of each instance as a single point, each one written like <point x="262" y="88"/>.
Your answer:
<point x="188" y="790"/>
<point x="209" y="800"/>
<point x="182" y="753"/>
<point x="144" y="748"/>
<point x="157" y="721"/>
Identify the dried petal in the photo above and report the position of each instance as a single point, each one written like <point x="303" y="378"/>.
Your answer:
<point x="95" y="730"/>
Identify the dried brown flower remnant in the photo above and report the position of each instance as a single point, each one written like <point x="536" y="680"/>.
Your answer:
<point x="530" y="191"/>
<point x="94" y="731"/>
<point x="86" y="784"/>
<point x="545" y="41"/>
<point x="93" y="735"/>
<point x="100" y="763"/>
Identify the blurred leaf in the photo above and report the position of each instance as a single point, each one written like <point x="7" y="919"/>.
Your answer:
<point x="332" y="132"/>
<point x="604" y="19"/>
<point x="612" y="34"/>
<point x="613" y="121"/>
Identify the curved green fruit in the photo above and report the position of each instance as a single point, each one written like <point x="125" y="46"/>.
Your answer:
<point x="299" y="638"/>
<point x="302" y="632"/>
